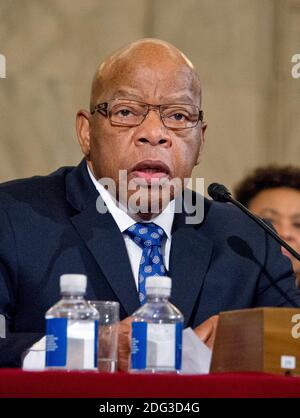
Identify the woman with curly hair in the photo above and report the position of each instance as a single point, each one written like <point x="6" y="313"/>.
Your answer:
<point x="273" y="193"/>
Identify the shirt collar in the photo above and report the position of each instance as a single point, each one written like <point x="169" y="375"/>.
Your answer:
<point x="121" y="217"/>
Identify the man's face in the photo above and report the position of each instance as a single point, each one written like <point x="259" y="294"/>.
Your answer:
<point x="149" y="152"/>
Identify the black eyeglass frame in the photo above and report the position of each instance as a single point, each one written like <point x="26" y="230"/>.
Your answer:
<point x="102" y="108"/>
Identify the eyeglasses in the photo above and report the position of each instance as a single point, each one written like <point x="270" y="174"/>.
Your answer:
<point x="121" y="112"/>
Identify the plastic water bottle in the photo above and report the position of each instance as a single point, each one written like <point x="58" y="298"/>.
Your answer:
<point x="156" y="343"/>
<point x="72" y="328"/>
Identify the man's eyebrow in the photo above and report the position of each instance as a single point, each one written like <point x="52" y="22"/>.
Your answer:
<point x="126" y="94"/>
<point x="182" y="98"/>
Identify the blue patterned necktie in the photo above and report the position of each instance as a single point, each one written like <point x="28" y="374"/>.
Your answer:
<point x="148" y="237"/>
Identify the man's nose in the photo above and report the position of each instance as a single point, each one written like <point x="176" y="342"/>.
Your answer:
<point x="152" y="131"/>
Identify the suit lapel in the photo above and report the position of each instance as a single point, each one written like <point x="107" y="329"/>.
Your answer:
<point x="103" y="238"/>
<point x="190" y="256"/>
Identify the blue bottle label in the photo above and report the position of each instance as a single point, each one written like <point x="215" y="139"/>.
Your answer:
<point x="96" y="342"/>
<point x="178" y="344"/>
<point x="156" y="346"/>
<point x="71" y="343"/>
<point x="139" y="345"/>
<point x="56" y="342"/>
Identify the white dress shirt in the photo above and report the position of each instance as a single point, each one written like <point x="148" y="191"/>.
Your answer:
<point x="124" y="221"/>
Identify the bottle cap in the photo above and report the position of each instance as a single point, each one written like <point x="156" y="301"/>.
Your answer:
<point x="158" y="285"/>
<point x="73" y="283"/>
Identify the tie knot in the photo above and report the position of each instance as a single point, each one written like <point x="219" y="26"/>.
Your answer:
<point x="146" y="234"/>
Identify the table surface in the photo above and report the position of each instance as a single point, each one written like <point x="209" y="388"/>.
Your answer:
<point x="19" y="383"/>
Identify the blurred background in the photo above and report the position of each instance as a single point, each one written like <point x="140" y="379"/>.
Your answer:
<point x="242" y="50"/>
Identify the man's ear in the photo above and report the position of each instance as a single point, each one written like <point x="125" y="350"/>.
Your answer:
<point x="202" y="139"/>
<point x="83" y="131"/>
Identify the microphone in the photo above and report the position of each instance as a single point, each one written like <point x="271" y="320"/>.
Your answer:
<point x="220" y="193"/>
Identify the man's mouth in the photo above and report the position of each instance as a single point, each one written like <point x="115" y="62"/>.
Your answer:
<point x="149" y="170"/>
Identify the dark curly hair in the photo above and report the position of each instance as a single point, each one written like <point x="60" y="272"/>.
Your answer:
<point x="268" y="177"/>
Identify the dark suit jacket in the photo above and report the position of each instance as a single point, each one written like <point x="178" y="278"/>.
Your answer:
<point x="50" y="226"/>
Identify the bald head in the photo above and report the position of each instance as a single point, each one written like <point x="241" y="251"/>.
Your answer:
<point x="144" y="54"/>
<point x="166" y="130"/>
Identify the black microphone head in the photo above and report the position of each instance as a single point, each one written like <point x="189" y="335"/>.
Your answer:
<point x="219" y="192"/>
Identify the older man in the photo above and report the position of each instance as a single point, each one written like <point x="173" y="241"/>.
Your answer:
<point x="145" y="119"/>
